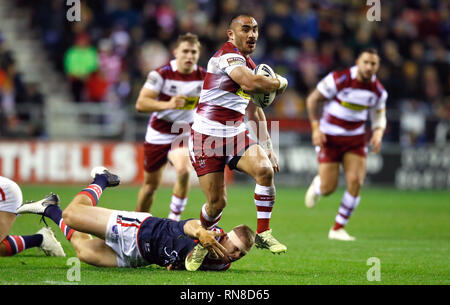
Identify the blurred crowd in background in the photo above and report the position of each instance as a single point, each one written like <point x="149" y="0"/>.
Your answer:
<point x="107" y="55"/>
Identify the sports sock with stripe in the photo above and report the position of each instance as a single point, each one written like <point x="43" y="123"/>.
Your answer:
<point x="207" y="221"/>
<point x="95" y="189"/>
<point x="348" y="205"/>
<point x="54" y="213"/>
<point x="13" y="244"/>
<point x="264" y="201"/>
<point x="177" y="206"/>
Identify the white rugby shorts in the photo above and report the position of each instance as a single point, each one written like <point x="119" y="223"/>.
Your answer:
<point x="121" y="236"/>
<point x="10" y="195"/>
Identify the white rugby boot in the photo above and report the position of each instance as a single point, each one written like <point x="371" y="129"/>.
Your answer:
<point x="38" y="207"/>
<point x="340" y="234"/>
<point x="50" y="245"/>
<point x="311" y="198"/>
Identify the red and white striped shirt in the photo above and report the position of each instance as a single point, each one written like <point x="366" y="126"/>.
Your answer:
<point x="222" y="104"/>
<point x="349" y="102"/>
<point x="169" y="82"/>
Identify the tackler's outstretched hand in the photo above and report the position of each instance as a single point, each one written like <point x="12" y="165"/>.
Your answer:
<point x="208" y="240"/>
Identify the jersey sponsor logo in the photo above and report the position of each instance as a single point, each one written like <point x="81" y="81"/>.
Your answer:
<point x="353" y="106"/>
<point x="242" y="94"/>
<point x="235" y="61"/>
<point x="190" y="103"/>
<point x="173" y="89"/>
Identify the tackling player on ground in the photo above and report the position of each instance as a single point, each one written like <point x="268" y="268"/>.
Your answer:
<point x="219" y="136"/>
<point x="350" y="96"/>
<point x="135" y="239"/>
<point x="171" y="92"/>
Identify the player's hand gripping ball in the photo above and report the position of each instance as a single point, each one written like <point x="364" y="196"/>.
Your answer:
<point x="264" y="99"/>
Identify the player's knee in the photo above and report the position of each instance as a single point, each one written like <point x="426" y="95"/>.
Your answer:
<point x="264" y="175"/>
<point x="355" y="181"/>
<point x="218" y="202"/>
<point x="149" y="189"/>
<point x="67" y="215"/>
<point x="328" y="188"/>
<point x="183" y="173"/>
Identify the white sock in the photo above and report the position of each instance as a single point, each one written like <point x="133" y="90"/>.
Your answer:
<point x="207" y="221"/>
<point x="177" y="206"/>
<point x="347" y="207"/>
<point x="317" y="184"/>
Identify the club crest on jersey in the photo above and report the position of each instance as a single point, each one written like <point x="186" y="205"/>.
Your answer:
<point x="201" y="162"/>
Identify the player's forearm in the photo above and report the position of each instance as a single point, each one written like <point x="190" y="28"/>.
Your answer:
<point x="258" y="123"/>
<point x="378" y="119"/>
<point x="312" y="106"/>
<point x="254" y="83"/>
<point x="145" y="104"/>
<point x="262" y="84"/>
<point x="193" y="228"/>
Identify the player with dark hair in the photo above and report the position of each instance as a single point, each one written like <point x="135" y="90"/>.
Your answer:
<point x="219" y="136"/>
<point x="171" y="93"/>
<point x="134" y="239"/>
<point x="350" y="96"/>
<point x="10" y="199"/>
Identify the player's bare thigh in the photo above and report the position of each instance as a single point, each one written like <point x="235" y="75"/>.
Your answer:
<point x="355" y="172"/>
<point x="81" y="216"/>
<point x="214" y="188"/>
<point x="6" y="221"/>
<point x="153" y="178"/>
<point x="255" y="162"/>
<point x="95" y="252"/>
<point x="329" y="177"/>
<point x="179" y="157"/>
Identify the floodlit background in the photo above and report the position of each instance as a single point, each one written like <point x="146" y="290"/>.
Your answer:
<point x="68" y="88"/>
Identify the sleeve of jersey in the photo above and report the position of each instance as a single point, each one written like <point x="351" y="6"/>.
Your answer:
<point x="154" y="81"/>
<point x="230" y="61"/>
<point x="382" y="101"/>
<point x="327" y="86"/>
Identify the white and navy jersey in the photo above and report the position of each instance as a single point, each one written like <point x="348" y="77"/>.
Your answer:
<point x="162" y="241"/>
<point x="169" y="82"/>
<point x="222" y="104"/>
<point x="349" y="102"/>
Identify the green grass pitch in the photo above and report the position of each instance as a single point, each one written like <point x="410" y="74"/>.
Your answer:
<point x="408" y="231"/>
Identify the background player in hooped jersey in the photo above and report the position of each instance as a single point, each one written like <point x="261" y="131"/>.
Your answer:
<point x="171" y="92"/>
<point x="10" y="199"/>
<point x="350" y="97"/>
<point x="135" y="239"/>
<point x="219" y="136"/>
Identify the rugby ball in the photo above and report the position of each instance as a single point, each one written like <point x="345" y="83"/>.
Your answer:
<point x="264" y="99"/>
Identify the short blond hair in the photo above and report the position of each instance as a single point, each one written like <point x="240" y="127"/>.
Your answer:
<point x="188" y="37"/>
<point x="246" y="235"/>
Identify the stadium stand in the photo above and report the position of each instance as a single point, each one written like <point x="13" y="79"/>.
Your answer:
<point x="301" y="39"/>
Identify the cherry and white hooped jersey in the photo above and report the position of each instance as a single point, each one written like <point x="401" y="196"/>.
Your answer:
<point x="349" y="102"/>
<point x="10" y="195"/>
<point x="169" y="82"/>
<point x="222" y="104"/>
